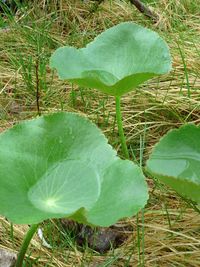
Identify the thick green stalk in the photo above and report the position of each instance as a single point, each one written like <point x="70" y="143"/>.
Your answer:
<point x="120" y="127"/>
<point x="25" y="245"/>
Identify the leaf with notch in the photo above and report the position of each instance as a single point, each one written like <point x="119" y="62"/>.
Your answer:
<point x="117" y="61"/>
<point x="61" y="165"/>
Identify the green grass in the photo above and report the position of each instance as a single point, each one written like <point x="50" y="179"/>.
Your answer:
<point x="166" y="233"/>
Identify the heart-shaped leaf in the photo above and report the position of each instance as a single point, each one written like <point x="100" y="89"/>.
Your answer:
<point x="61" y="165"/>
<point x="117" y="61"/>
<point x="175" y="161"/>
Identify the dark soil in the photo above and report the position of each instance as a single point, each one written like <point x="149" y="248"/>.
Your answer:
<point x="99" y="239"/>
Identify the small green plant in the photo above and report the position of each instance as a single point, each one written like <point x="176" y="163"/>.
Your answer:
<point x="116" y="62"/>
<point x="175" y="161"/>
<point x="61" y="165"/>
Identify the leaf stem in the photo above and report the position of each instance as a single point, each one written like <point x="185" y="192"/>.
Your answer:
<point x="25" y="244"/>
<point x="120" y="127"/>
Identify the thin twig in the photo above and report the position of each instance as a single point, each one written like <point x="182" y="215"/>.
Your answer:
<point x="37" y="86"/>
<point x="145" y="10"/>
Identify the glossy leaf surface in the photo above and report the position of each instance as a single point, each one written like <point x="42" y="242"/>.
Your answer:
<point x="117" y="61"/>
<point x="61" y="165"/>
<point x="175" y="161"/>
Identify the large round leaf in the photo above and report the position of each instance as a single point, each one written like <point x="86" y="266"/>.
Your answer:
<point x="175" y="160"/>
<point x="117" y="61"/>
<point x="60" y="166"/>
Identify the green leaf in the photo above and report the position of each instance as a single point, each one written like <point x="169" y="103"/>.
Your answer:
<point x="117" y="61"/>
<point x="175" y="161"/>
<point x="123" y="192"/>
<point x="58" y="190"/>
<point x="58" y="166"/>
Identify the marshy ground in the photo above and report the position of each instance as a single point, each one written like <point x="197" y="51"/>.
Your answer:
<point x="167" y="232"/>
